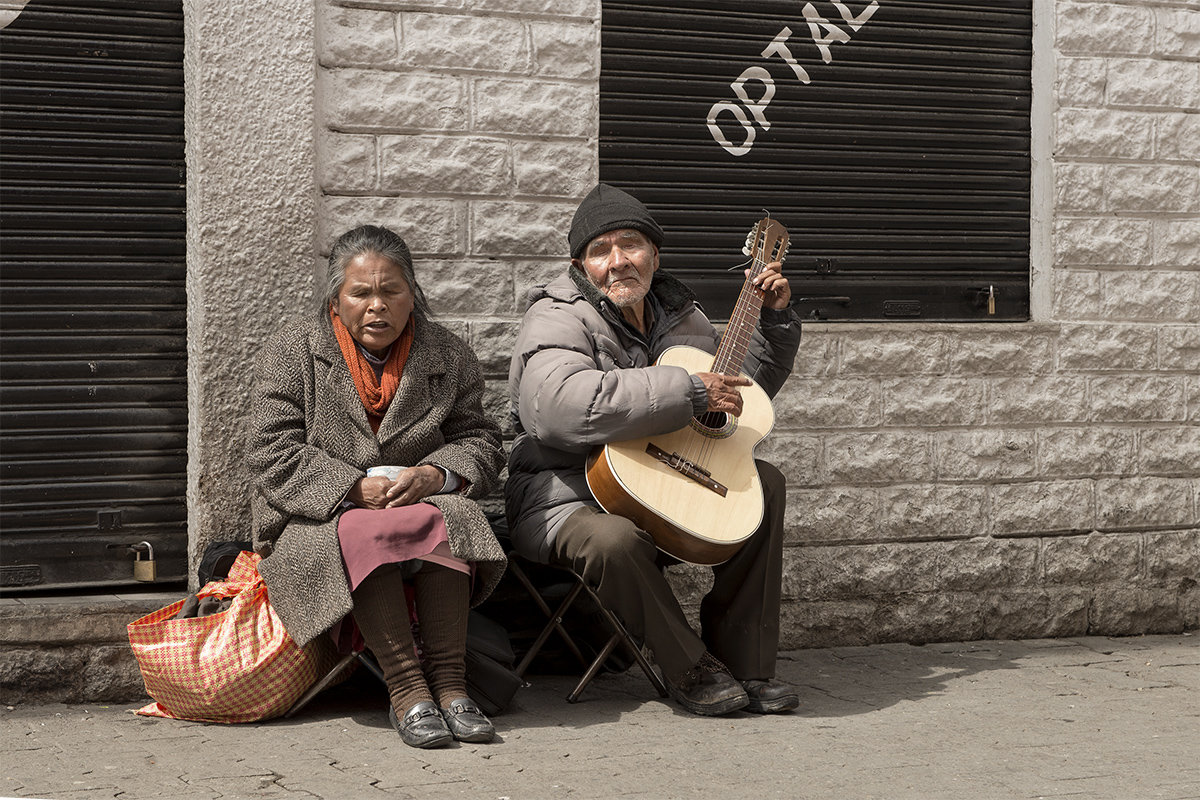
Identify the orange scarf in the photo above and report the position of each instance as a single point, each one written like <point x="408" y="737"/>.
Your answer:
<point x="376" y="394"/>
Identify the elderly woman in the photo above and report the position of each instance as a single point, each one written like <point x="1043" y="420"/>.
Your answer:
<point x="373" y="382"/>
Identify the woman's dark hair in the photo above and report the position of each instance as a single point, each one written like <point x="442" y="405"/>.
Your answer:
<point x="370" y="239"/>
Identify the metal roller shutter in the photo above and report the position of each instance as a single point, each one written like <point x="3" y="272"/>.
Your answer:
<point x="93" y="393"/>
<point x="890" y="137"/>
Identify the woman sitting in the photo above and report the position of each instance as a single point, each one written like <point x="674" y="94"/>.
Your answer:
<point x="373" y="382"/>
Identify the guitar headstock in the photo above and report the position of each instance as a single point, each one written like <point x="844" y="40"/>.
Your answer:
<point x="767" y="241"/>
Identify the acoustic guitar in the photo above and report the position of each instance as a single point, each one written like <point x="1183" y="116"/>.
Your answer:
<point x="696" y="490"/>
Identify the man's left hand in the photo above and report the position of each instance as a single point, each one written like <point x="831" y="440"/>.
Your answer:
<point x="777" y="291"/>
<point x="414" y="484"/>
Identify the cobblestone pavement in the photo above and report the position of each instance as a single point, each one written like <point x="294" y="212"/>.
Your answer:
<point x="1074" y="718"/>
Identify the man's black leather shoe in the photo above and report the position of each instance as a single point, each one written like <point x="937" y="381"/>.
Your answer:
<point x="422" y="727"/>
<point x="709" y="694"/>
<point x="770" y="697"/>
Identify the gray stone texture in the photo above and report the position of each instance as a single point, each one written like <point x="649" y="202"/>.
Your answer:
<point x="1109" y="28"/>
<point x="1077" y="295"/>
<point x="828" y="403"/>
<point x="250" y="151"/>
<point x="1151" y="295"/>
<point x="1137" y="399"/>
<point x="1041" y="507"/>
<point x="934" y="402"/>
<point x="431" y="165"/>
<point x="1086" y="451"/>
<point x="535" y="107"/>
<point x="349" y="37"/>
<point x="365" y="100"/>
<point x="1146" y="503"/>
<point x="1177" y="31"/>
<point x="1103" y="348"/>
<point x="1177" y="241"/>
<point x="1105" y="133"/>
<point x="985" y="454"/>
<point x="71" y="649"/>
<point x="1179" y="348"/>
<point x="563" y="49"/>
<point x="1038" y="400"/>
<point x="464" y="43"/>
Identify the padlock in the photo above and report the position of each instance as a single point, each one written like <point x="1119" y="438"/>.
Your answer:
<point x="144" y="570"/>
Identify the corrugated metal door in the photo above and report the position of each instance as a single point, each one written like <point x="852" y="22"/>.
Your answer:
<point x="93" y="405"/>
<point x="890" y="137"/>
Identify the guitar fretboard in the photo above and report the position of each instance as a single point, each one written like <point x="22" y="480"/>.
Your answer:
<point x="735" y="343"/>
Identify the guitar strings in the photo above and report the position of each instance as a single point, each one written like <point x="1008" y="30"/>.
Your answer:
<point x="700" y="447"/>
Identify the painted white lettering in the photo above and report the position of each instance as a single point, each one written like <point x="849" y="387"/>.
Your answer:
<point x="833" y="34"/>
<point x="755" y="107"/>
<point x="719" y="135"/>
<point x="778" y="47"/>
<point x="824" y="34"/>
<point x="856" y="22"/>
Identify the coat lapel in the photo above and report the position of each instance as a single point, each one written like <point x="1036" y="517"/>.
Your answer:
<point x="336" y="383"/>
<point x="414" y="397"/>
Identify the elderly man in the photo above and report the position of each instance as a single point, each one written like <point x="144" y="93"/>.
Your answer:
<point x="583" y="374"/>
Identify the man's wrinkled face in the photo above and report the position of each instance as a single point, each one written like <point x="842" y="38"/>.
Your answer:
<point x="621" y="264"/>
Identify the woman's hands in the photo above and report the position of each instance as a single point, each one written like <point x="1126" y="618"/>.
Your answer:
<point x="411" y="485"/>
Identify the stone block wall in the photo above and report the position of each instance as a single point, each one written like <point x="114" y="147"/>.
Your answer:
<point x="946" y="481"/>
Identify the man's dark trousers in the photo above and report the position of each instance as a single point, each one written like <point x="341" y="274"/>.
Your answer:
<point x="739" y="616"/>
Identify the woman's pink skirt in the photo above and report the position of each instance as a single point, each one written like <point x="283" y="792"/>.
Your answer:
<point x="371" y="538"/>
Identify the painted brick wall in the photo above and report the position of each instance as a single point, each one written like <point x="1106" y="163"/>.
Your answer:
<point x="946" y="481"/>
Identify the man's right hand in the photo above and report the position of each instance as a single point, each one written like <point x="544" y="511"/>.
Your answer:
<point x="723" y="395"/>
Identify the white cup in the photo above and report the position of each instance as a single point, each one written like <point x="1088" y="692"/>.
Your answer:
<point x="391" y="473"/>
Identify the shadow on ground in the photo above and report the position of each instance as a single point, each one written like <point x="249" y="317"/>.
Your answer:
<point x="831" y="683"/>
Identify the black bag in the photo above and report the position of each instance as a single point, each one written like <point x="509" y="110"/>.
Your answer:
<point x="491" y="681"/>
<point x="217" y="559"/>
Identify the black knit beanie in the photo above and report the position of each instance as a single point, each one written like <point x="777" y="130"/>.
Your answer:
<point x="607" y="208"/>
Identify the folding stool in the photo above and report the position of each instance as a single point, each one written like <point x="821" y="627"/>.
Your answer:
<point x="361" y="656"/>
<point x="555" y="625"/>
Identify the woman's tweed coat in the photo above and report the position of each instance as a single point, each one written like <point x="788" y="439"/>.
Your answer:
<point x="311" y="441"/>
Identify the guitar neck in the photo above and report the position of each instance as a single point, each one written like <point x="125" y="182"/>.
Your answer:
<point x="735" y="343"/>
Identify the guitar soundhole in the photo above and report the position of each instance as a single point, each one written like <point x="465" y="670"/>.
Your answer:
<point x="714" y="424"/>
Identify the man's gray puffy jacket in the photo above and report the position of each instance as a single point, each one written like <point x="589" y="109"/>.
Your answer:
<point x="580" y="377"/>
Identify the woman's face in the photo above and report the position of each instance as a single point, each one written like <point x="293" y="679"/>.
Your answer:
<point x="375" y="302"/>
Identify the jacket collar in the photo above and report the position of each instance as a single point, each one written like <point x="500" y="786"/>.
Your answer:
<point x="672" y="294"/>
<point x="413" y="395"/>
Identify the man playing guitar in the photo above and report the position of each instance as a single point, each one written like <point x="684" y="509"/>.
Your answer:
<point x="583" y="374"/>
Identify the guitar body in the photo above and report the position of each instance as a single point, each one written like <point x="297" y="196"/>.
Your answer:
<point x="687" y="518"/>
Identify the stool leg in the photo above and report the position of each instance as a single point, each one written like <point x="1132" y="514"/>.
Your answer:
<point x="620" y="634"/>
<point x="319" y="685"/>
<point x="624" y="636"/>
<point x="555" y="617"/>
<point x="605" y="652"/>
<point x="370" y="664"/>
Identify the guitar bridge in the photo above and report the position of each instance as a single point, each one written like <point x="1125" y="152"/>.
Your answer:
<point x="686" y="468"/>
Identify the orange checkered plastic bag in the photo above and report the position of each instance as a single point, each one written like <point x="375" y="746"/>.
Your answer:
<point x="237" y="665"/>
